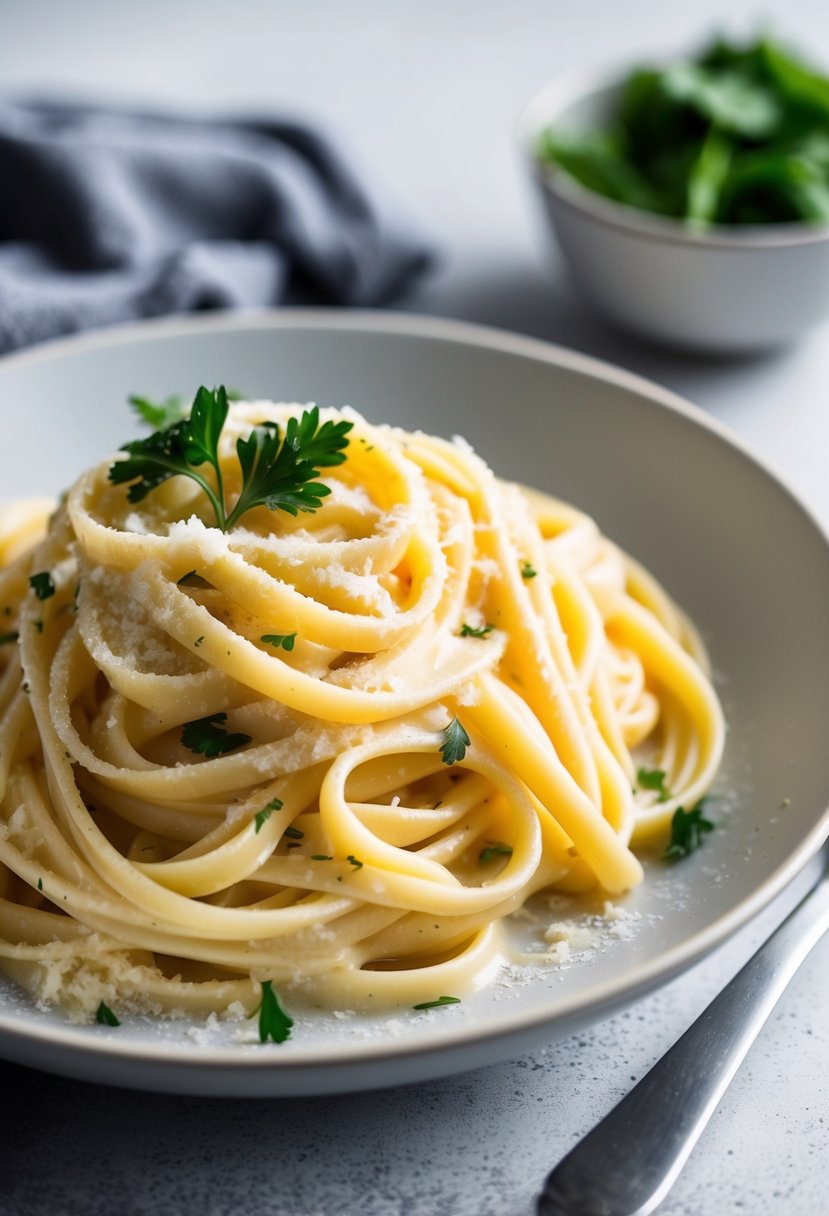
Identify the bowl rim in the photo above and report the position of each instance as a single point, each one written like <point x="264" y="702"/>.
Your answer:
<point x="553" y="97"/>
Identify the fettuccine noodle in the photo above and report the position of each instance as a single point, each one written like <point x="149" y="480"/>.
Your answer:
<point x="334" y="852"/>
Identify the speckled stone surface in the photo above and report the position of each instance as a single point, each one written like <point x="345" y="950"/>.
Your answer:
<point x="429" y="92"/>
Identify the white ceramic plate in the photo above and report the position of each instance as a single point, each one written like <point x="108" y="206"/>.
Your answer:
<point x="732" y="545"/>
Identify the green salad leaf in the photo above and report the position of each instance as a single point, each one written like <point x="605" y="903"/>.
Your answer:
<point x="738" y="134"/>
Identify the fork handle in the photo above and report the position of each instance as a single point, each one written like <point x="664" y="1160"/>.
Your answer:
<point x="627" y="1164"/>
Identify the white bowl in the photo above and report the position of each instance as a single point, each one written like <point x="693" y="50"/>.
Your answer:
<point x="727" y="289"/>
<point x="634" y="456"/>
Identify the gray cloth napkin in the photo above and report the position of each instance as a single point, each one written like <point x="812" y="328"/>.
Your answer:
<point x="110" y="216"/>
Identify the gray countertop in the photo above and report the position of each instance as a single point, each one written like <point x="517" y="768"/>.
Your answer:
<point x="428" y="93"/>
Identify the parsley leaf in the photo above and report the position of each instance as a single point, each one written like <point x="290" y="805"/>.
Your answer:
<point x="208" y="737"/>
<point x="274" y="1022"/>
<point x="192" y="579"/>
<point x="687" y="831"/>
<point x="285" y="640"/>
<point x="467" y="631"/>
<point x="159" y="414"/>
<point x="358" y="865"/>
<point x="43" y="585"/>
<point x="105" y="1017"/>
<point x="5" y="638"/>
<point x="293" y="833"/>
<point x="152" y="461"/>
<point x="494" y="849"/>
<point x="527" y="570"/>
<point x="276" y="474"/>
<point x="262" y="817"/>
<point x="455" y="742"/>
<point x="653" y="779"/>
<point x="439" y="1003"/>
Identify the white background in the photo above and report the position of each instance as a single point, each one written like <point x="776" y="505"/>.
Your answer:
<point x="427" y="94"/>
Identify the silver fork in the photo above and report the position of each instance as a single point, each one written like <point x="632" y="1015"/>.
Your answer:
<point x="627" y="1164"/>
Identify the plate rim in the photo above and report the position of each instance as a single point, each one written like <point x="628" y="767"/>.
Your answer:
<point x="617" y="991"/>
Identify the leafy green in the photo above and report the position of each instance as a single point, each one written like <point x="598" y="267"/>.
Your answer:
<point x="274" y="1022"/>
<point x="527" y="571"/>
<point x="208" y="737"/>
<point x="687" y="831"/>
<point x="278" y="474"/>
<point x="43" y="585"/>
<point x="455" y="742"/>
<point x="439" y="1003"/>
<point x="467" y="631"/>
<point x="494" y="849"/>
<point x="653" y="779"/>
<point x="105" y="1017"/>
<point x="262" y="817"/>
<point x="159" y="414"/>
<point x="285" y="640"/>
<point x="738" y="134"/>
<point x="275" y="473"/>
<point x="5" y="638"/>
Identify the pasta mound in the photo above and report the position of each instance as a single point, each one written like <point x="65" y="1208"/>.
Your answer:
<point x="223" y="755"/>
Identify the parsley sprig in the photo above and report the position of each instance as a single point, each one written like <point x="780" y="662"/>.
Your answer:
<point x="276" y="472"/>
<point x="687" y="831"/>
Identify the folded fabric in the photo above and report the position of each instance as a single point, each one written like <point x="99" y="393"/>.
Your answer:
<point x="111" y="216"/>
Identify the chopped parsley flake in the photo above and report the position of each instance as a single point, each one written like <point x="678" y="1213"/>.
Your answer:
<point x="40" y="884"/>
<point x="494" y="849"/>
<point x="105" y="1016"/>
<point x="294" y="834"/>
<point x="274" y="1022"/>
<point x="5" y="638"/>
<point x="653" y="779"/>
<point x="455" y="742"/>
<point x="527" y="570"/>
<point x="285" y="640"/>
<point x="358" y="865"/>
<point x="208" y="737"/>
<point x="43" y="585"/>
<point x="192" y="579"/>
<point x="468" y="631"/>
<point x="687" y="831"/>
<point x="439" y="1003"/>
<point x="321" y="857"/>
<point x="262" y="817"/>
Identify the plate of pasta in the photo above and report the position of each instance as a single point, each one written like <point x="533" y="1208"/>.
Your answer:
<point x="379" y="697"/>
